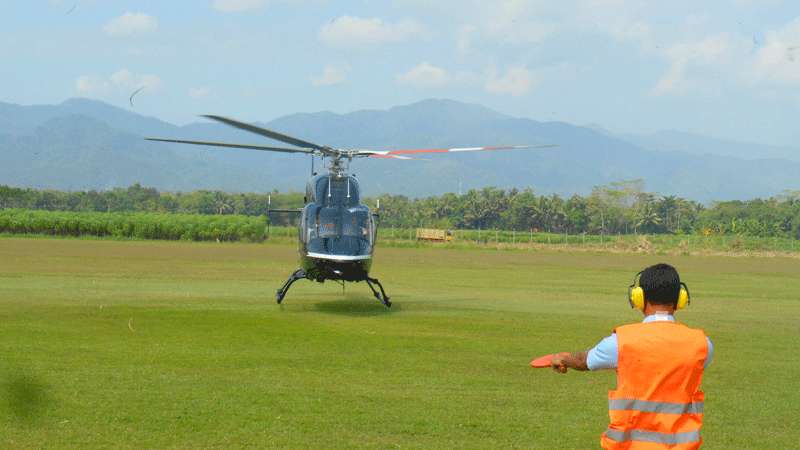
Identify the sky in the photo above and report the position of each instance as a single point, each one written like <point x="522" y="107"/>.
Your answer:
<point x="728" y="69"/>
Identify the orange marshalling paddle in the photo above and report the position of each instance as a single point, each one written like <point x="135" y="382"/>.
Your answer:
<point x="543" y="361"/>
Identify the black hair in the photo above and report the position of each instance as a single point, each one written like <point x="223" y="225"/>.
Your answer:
<point x="661" y="284"/>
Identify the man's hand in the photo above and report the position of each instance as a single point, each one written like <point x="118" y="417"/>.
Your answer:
<point x="563" y="361"/>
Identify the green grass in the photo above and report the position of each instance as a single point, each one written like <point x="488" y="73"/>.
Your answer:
<point x="168" y="344"/>
<point x="683" y="244"/>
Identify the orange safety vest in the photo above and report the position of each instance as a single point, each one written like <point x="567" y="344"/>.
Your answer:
<point x="658" y="403"/>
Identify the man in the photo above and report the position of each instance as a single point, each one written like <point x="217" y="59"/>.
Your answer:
<point x="658" y="402"/>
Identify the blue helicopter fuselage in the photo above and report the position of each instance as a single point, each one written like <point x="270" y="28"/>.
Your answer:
<point x="336" y="231"/>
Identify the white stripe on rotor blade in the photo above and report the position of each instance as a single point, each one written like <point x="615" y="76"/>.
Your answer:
<point x="472" y="149"/>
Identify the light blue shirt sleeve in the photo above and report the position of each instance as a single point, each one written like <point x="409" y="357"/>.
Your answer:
<point x="605" y="355"/>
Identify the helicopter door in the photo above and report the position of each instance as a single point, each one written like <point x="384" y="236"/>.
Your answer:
<point x="356" y="230"/>
<point x="307" y="226"/>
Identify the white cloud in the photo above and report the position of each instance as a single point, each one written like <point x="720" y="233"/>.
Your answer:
<point x="119" y="82"/>
<point x="198" y="93"/>
<point x="778" y="60"/>
<point x="92" y="86"/>
<point x="710" y="54"/>
<point x="733" y="62"/>
<point x="424" y="75"/>
<point x="350" y="32"/>
<point x="637" y="31"/>
<point x="517" y="22"/>
<point x="516" y="81"/>
<point x="238" y="5"/>
<point x="126" y="79"/>
<point x="131" y="24"/>
<point x="464" y="38"/>
<point x="330" y="75"/>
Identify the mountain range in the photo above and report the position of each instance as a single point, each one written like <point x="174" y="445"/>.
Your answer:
<point x="88" y="144"/>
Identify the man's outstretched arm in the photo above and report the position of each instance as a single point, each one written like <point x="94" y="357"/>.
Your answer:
<point x="563" y="361"/>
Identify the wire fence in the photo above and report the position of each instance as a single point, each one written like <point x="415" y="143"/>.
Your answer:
<point x="687" y="243"/>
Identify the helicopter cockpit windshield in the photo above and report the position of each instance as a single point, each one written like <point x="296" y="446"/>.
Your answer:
<point x="335" y="222"/>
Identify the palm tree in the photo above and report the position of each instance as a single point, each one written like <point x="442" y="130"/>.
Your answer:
<point x="666" y="207"/>
<point x="221" y="204"/>
<point x="647" y="218"/>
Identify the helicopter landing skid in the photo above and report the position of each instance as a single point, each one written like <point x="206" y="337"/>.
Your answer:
<point x="298" y="274"/>
<point x="382" y="297"/>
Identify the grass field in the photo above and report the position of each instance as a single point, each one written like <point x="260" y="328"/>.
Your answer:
<point x="674" y="244"/>
<point x="168" y="344"/>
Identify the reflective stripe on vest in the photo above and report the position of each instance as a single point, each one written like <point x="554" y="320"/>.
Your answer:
<point x="656" y="407"/>
<point x="685" y="437"/>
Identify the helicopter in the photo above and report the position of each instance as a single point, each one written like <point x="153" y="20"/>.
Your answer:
<point x="336" y="231"/>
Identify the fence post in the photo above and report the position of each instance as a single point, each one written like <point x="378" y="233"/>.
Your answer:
<point x="513" y="236"/>
<point x="496" y="239"/>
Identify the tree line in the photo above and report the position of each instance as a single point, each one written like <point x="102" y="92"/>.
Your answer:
<point x="618" y="208"/>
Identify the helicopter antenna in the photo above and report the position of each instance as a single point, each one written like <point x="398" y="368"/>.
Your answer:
<point x="312" y="165"/>
<point x="329" y="190"/>
<point x="348" y="187"/>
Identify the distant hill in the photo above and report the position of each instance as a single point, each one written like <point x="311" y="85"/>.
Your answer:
<point x="82" y="144"/>
<point x="695" y="144"/>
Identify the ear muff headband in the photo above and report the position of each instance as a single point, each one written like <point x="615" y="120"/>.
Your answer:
<point x="636" y="295"/>
<point x="684" y="298"/>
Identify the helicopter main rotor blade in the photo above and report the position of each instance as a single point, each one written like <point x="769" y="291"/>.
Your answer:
<point x="224" y="144"/>
<point x="395" y="153"/>
<point x="377" y="155"/>
<point x="267" y="133"/>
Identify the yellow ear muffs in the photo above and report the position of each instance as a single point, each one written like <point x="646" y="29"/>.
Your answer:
<point x="636" y="294"/>
<point x="684" y="298"/>
<point x="636" y="297"/>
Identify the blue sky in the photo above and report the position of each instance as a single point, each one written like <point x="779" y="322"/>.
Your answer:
<point x="727" y="69"/>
